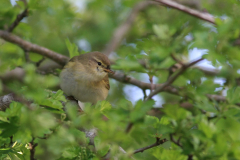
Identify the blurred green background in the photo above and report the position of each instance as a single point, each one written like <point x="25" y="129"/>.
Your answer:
<point x="208" y="129"/>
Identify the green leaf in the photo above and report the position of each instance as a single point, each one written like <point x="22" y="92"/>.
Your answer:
<point x="72" y="48"/>
<point x="69" y="153"/>
<point x="14" y="109"/>
<point x="59" y="96"/>
<point x="206" y="106"/>
<point x="151" y="121"/>
<point x="105" y="106"/>
<point x="208" y="128"/>
<point x="125" y="104"/>
<point x="8" y="129"/>
<point x="167" y="154"/>
<point x="164" y="129"/>
<point x="164" y="120"/>
<point x="128" y="65"/>
<point x="163" y="31"/>
<point x="230" y="126"/>
<point x="140" y="110"/>
<point x="72" y="109"/>
<point x="233" y="95"/>
<point x="51" y="103"/>
<point x="176" y="112"/>
<point x="102" y="149"/>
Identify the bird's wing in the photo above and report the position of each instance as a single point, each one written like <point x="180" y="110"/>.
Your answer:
<point x="106" y="82"/>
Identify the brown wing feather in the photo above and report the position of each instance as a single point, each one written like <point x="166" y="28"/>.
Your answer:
<point x="106" y="82"/>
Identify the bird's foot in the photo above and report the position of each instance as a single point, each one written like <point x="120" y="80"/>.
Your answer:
<point x="71" y="98"/>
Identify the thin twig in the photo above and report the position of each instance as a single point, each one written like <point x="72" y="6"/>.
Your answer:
<point x="27" y="56"/>
<point x="190" y="157"/>
<point x="32" y="146"/>
<point x="157" y="143"/>
<point x="173" y="69"/>
<point x="174" y="141"/>
<point x="177" y="60"/>
<point x="151" y="82"/>
<point x="129" y="127"/>
<point x="144" y="93"/>
<point x="121" y="77"/>
<point x="178" y="141"/>
<point x="124" y="28"/>
<point x="173" y="78"/>
<point x="40" y="61"/>
<point x="18" y="19"/>
<point x="206" y="70"/>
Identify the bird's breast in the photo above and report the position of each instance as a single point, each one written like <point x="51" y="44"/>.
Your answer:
<point x="82" y="88"/>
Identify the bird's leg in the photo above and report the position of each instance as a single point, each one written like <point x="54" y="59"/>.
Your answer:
<point x="71" y="98"/>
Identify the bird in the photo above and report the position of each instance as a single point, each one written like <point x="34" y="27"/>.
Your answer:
<point x="85" y="77"/>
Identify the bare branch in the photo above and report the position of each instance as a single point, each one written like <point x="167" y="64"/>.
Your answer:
<point x="32" y="146"/>
<point x="173" y="78"/>
<point x="190" y="157"/>
<point x="123" y="29"/>
<point x="30" y="47"/>
<point x="176" y="59"/>
<point x="130" y="80"/>
<point x="27" y="56"/>
<point x="18" y="19"/>
<point x="216" y="97"/>
<point x="204" y="16"/>
<point x="206" y="70"/>
<point x="174" y="141"/>
<point x="40" y="61"/>
<point x="15" y="74"/>
<point x="129" y="127"/>
<point x="7" y="99"/>
<point x="157" y="143"/>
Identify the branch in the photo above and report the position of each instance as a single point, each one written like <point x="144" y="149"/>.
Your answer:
<point x="129" y="127"/>
<point x="204" y="16"/>
<point x="173" y="78"/>
<point x="206" y="70"/>
<point x="18" y="19"/>
<point x="216" y="97"/>
<point x="18" y="74"/>
<point x="176" y="59"/>
<point x="32" y="146"/>
<point x="7" y="99"/>
<point x="174" y="141"/>
<point x="130" y="80"/>
<point x="190" y="157"/>
<point x="30" y="47"/>
<point x="157" y="143"/>
<point x="123" y="29"/>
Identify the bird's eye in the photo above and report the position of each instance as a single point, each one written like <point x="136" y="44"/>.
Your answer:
<point x="99" y="63"/>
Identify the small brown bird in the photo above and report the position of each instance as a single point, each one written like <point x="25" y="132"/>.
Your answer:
<point x="85" y="77"/>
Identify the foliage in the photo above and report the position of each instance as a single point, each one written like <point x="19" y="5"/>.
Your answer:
<point x="209" y="129"/>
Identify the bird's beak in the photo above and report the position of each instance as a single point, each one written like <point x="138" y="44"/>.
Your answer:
<point x="109" y="71"/>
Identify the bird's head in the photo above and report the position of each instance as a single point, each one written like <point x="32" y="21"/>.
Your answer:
<point x="95" y="64"/>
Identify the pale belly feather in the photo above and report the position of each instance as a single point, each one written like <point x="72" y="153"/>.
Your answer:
<point x="83" y="91"/>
